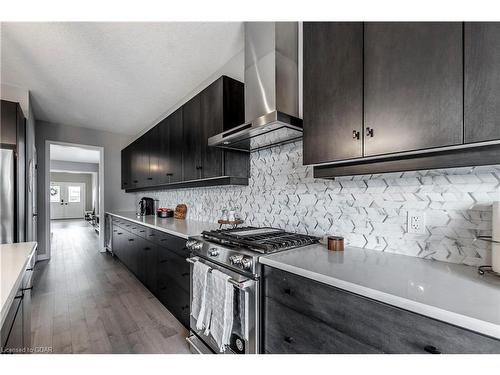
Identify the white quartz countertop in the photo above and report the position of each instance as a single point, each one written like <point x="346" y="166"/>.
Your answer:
<point x="13" y="261"/>
<point x="176" y="227"/>
<point x="452" y="293"/>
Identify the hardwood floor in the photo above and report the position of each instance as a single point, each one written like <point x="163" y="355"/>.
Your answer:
<point x="85" y="301"/>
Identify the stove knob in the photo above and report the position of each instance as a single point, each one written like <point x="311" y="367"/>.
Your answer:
<point x="246" y="263"/>
<point x="194" y="245"/>
<point x="213" y="252"/>
<point x="235" y="259"/>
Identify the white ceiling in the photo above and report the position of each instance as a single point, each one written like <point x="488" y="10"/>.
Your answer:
<point x="119" y="77"/>
<point x="71" y="153"/>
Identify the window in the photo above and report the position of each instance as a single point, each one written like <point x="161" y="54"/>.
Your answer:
<point x="74" y="194"/>
<point x="55" y="193"/>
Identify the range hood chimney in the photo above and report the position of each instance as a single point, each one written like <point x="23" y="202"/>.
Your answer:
<point x="271" y="89"/>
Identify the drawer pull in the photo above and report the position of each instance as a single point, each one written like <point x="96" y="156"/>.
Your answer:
<point x="130" y="239"/>
<point x="289" y="339"/>
<point x="432" y="349"/>
<point x="184" y="307"/>
<point x="147" y="248"/>
<point x="287" y="291"/>
<point x="185" y="274"/>
<point x="142" y="231"/>
<point x="163" y="261"/>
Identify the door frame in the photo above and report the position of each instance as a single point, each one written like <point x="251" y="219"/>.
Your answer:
<point x="102" y="249"/>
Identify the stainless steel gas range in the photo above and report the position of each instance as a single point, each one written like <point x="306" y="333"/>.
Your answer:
<point x="236" y="252"/>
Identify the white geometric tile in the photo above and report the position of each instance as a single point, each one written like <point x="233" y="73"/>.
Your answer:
<point x="369" y="211"/>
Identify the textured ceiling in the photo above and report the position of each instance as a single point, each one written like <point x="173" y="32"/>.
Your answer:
<point x="118" y="77"/>
<point x="72" y="153"/>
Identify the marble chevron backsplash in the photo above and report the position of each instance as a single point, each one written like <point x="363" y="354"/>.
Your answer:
<point x="369" y="211"/>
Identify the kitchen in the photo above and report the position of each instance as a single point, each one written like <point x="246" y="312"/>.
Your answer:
<point x="332" y="189"/>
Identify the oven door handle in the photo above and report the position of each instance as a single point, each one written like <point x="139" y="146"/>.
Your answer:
<point x="238" y="284"/>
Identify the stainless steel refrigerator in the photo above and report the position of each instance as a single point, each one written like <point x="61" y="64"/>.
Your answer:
<point x="7" y="196"/>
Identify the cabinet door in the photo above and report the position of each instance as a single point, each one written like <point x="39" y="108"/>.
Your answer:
<point x="143" y="161"/>
<point x="191" y="152"/>
<point x="152" y="152"/>
<point x="134" y="164"/>
<point x="413" y="86"/>
<point x="171" y="293"/>
<point x="149" y="269"/>
<point x="171" y="148"/>
<point x="211" y="124"/>
<point x="117" y="241"/>
<point x="482" y="81"/>
<point x="175" y="147"/>
<point x="125" y="168"/>
<point x="333" y="91"/>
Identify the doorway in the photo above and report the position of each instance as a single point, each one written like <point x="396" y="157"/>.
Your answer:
<point x="74" y="189"/>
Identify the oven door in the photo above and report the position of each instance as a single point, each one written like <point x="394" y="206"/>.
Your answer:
<point x="244" y="334"/>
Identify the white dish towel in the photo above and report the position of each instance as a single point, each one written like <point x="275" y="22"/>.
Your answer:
<point x="219" y="313"/>
<point x="198" y="303"/>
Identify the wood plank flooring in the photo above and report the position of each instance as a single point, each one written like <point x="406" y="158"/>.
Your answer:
<point x="85" y="301"/>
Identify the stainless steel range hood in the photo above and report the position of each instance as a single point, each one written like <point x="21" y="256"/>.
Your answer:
<point x="271" y="89"/>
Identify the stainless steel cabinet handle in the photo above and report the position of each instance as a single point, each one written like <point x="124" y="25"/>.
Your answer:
<point x="369" y="132"/>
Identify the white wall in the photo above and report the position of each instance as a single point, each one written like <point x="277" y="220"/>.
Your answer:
<point x="62" y="165"/>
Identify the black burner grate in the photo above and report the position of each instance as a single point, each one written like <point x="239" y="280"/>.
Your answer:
<point x="263" y="240"/>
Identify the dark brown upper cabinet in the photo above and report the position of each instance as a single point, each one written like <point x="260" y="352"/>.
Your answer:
<point x="152" y="149"/>
<point x="170" y="150"/>
<point x="211" y="119"/>
<point x="482" y="81"/>
<point x="430" y="96"/>
<point x="192" y="136"/>
<point x="333" y="91"/>
<point x="217" y="108"/>
<point x="126" y="167"/>
<point x="413" y="81"/>
<point x="175" y="153"/>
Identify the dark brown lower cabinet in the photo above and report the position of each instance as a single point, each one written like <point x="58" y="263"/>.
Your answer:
<point x="173" y="284"/>
<point x="158" y="260"/>
<point x="304" y="316"/>
<point x="12" y="336"/>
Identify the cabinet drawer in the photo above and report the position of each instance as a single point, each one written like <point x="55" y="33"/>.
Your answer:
<point x="387" y="328"/>
<point x="287" y="331"/>
<point x="172" y="243"/>
<point x="142" y="231"/>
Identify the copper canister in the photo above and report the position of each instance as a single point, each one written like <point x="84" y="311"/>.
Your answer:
<point x="335" y="243"/>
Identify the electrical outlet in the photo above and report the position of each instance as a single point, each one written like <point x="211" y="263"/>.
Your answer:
<point x="416" y="222"/>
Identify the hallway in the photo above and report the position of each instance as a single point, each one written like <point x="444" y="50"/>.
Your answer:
<point x="85" y="301"/>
